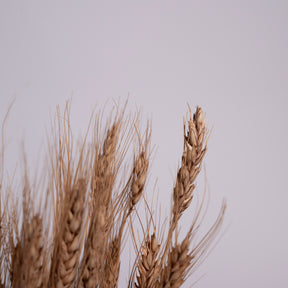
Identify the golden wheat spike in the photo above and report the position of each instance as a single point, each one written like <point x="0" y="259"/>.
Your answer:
<point x="80" y="246"/>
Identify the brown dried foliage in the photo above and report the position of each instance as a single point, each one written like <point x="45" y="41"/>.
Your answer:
<point x="75" y="238"/>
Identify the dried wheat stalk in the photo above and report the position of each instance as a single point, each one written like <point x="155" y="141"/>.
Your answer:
<point x="134" y="189"/>
<point x="83" y="248"/>
<point x="102" y="185"/>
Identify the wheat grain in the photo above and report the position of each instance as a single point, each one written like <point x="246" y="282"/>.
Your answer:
<point x="138" y="178"/>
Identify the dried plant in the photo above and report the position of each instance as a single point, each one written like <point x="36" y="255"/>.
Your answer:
<point x="73" y="236"/>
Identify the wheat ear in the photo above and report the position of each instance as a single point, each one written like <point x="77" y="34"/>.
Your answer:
<point x="148" y="264"/>
<point x="182" y="259"/>
<point x="177" y="263"/>
<point x="102" y="185"/>
<point x="68" y="250"/>
<point x="134" y="188"/>
<point x="27" y="258"/>
<point x="35" y="253"/>
<point x="139" y="176"/>
<point x="194" y="151"/>
<point x="193" y="154"/>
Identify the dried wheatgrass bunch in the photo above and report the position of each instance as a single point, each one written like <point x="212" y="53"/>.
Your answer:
<point x="73" y="236"/>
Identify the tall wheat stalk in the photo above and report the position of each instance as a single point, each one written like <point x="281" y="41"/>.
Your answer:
<point x="80" y="245"/>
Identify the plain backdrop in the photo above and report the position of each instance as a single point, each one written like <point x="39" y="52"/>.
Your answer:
<point x="229" y="57"/>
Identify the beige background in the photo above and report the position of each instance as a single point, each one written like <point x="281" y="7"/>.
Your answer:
<point x="230" y="57"/>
